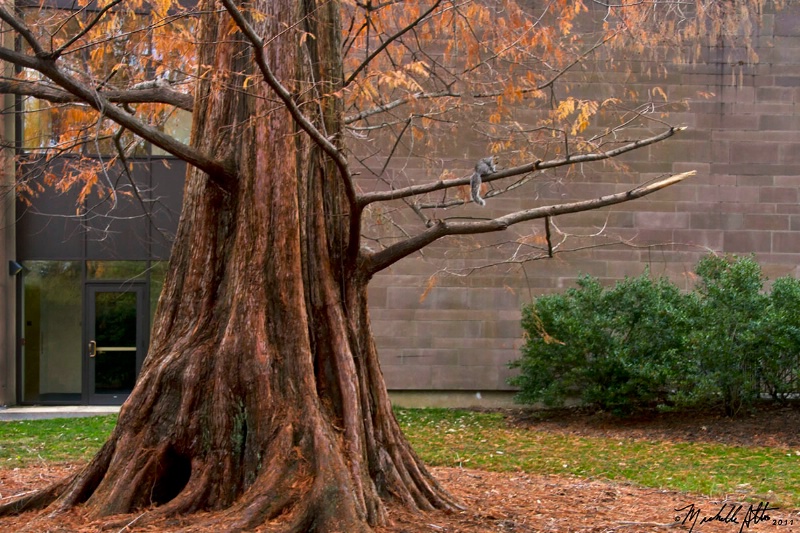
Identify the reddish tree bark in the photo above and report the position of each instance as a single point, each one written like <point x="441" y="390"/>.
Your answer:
<point x="261" y="392"/>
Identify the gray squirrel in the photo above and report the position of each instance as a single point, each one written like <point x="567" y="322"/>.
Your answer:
<point x="484" y="167"/>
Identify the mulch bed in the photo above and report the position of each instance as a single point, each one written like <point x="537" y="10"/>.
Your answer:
<point x="773" y="426"/>
<point x="518" y="502"/>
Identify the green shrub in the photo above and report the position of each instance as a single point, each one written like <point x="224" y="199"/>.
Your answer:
<point x="643" y="343"/>
<point x="612" y="349"/>
<point x="726" y="341"/>
<point x="780" y="361"/>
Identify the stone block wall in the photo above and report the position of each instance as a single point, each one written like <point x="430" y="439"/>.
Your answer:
<point x="743" y="139"/>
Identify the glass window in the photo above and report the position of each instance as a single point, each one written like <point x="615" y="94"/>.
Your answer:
<point x="130" y="271"/>
<point x="52" y="329"/>
<point x="123" y="49"/>
<point x="179" y="125"/>
<point x="116" y="336"/>
<point x="51" y="347"/>
<point x="116" y="270"/>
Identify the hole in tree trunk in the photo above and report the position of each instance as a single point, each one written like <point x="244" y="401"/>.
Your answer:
<point x="173" y="475"/>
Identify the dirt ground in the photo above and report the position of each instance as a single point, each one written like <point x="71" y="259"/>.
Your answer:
<point x="518" y="502"/>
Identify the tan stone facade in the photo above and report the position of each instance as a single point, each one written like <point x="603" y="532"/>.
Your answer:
<point x="443" y="331"/>
<point x="743" y="139"/>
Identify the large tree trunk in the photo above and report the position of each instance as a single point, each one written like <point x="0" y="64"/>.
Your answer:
<point x="261" y="392"/>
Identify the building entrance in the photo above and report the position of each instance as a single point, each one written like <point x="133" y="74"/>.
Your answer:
<point x="116" y="332"/>
<point x="84" y="329"/>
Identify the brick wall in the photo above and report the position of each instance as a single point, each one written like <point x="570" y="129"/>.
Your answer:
<point x="744" y="143"/>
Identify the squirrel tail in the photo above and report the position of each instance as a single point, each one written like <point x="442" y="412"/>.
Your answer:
<point x="475" y="185"/>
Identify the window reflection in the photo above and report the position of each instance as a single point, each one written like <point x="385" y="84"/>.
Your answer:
<point x="116" y="270"/>
<point x="116" y="336"/>
<point x="52" y="307"/>
<point x="51" y="330"/>
<point x="125" y="48"/>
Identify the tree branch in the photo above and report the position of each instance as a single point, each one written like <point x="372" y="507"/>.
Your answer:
<point x="44" y="63"/>
<point x="86" y="29"/>
<point x="220" y="174"/>
<point x="155" y="94"/>
<point x="378" y="261"/>
<point x="388" y="41"/>
<point x="19" y="26"/>
<point x="397" y="103"/>
<point x="381" y="108"/>
<point x="413" y="190"/>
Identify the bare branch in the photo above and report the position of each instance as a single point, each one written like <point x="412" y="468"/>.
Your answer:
<point x="382" y="108"/>
<point x="20" y="27"/>
<point x="548" y="236"/>
<point x="377" y="261"/>
<point x="86" y="29"/>
<point x="388" y="41"/>
<point x="560" y="72"/>
<point x="397" y="103"/>
<point x="381" y="196"/>
<point x="154" y="94"/>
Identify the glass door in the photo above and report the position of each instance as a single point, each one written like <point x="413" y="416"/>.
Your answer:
<point x="116" y="340"/>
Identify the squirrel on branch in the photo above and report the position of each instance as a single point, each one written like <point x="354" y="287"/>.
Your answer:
<point x="483" y="168"/>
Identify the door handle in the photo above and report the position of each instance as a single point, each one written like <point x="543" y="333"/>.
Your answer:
<point x="92" y="348"/>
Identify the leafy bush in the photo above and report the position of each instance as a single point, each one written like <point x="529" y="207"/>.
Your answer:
<point x="643" y="343"/>
<point x="612" y="349"/>
<point x="780" y="361"/>
<point x="726" y="340"/>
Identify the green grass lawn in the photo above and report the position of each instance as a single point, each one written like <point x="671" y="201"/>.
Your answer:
<point x="484" y="441"/>
<point x="444" y="437"/>
<point x="27" y="442"/>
